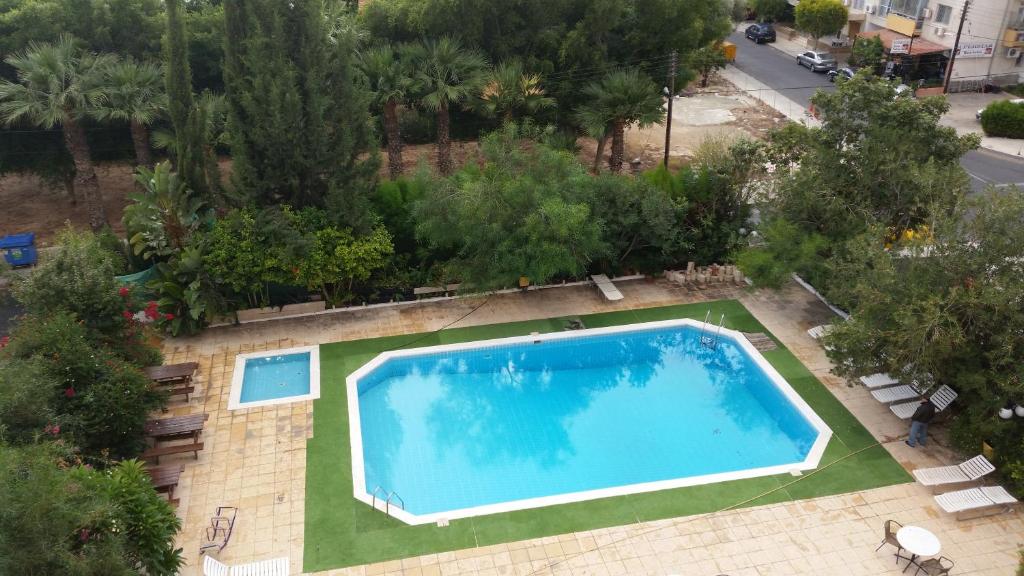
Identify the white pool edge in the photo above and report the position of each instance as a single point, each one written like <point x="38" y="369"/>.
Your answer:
<point x="237" y="377"/>
<point x="361" y="492"/>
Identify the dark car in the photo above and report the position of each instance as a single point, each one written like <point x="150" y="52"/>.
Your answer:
<point x="842" y="72"/>
<point x="760" y="33"/>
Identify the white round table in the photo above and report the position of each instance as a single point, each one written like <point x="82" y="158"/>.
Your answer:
<point x="918" y="541"/>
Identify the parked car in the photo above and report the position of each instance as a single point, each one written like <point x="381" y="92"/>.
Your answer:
<point x="977" y="115"/>
<point x="762" y="32"/>
<point x="817" y="61"/>
<point x="842" y="72"/>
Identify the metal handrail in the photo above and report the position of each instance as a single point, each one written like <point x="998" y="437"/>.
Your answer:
<point x="373" y="496"/>
<point x="387" y="503"/>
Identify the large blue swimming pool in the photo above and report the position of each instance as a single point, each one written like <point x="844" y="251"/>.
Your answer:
<point x="477" y="427"/>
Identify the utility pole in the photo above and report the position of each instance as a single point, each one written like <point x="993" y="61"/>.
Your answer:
<point x="956" y="46"/>
<point x="671" y="96"/>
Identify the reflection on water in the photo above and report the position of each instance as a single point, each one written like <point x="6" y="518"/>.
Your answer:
<point x="462" y="429"/>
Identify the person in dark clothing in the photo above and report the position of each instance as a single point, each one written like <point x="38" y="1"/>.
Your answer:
<point x="919" y="423"/>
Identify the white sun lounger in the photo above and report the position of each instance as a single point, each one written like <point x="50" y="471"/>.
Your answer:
<point x="975" y="502"/>
<point x="275" y="567"/>
<point x="818" y="331"/>
<point x="608" y="290"/>
<point x="878" y="380"/>
<point x="895" y="394"/>
<point x="942" y="398"/>
<point x="967" y="471"/>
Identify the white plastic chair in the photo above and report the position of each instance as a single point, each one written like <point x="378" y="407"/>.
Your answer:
<point x="976" y="501"/>
<point x="942" y="398"/>
<point x="818" y="331"/>
<point x="895" y="394"/>
<point x="878" y="380"/>
<point x="275" y="567"/>
<point x="967" y="471"/>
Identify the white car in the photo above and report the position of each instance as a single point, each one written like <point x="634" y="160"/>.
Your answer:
<point x="977" y="115"/>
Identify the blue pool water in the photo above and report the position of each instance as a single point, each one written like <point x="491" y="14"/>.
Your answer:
<point x="273" y="377"/>
<point x="460" y="429"/>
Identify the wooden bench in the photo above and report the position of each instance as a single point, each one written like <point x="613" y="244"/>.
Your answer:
<point x="156" y="452"/>
<point x="171" y="374"/>
<point x="165" y="480"/>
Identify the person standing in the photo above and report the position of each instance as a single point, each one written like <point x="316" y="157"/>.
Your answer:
<point x="919" y="423"/>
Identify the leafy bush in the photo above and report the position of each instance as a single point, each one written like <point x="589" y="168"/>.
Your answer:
<point x="78" y="277"/>
<point x="1003" y="118"/>
<point x="26" y="393"/>
<point x="787" y="249"/>
<point x="148" y="523"/>
<point x="97" y="400"/>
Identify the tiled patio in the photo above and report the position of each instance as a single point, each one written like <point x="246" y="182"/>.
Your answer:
<point x="255" y="459"/>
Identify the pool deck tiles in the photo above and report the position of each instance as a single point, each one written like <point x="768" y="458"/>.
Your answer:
<point x="256" y="459"/>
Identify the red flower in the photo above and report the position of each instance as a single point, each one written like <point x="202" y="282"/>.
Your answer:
<point x="51" y="429"/>
<point x="4" y="341"/>
<point x="168" y="316"/>
<point x="124" y="291"/>
<point x="127" y="314"/>
<point x="83" y="534"/>
<point x="69" y="392"/>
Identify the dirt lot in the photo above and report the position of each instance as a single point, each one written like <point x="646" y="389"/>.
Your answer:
<point x="718" y="111"/>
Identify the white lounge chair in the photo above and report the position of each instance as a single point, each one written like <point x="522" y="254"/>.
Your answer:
<point x="975" y="502"/>
<point x="967" y="471"/>
<point x="608" y="290"/>
<point x="895" y="394"/>
<point x="275" y="567"/>
<point x="942" y="398"/>
<point x="818" y="331"/>
<point x="878" y="380"/>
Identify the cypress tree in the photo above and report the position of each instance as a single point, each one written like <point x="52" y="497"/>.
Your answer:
<point x="191" y="152"/>
<point x="299" y="117"/>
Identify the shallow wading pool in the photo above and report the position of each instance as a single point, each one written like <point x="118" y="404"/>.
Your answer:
<point x="498" y="425"/>
<point x="275" y="377"/>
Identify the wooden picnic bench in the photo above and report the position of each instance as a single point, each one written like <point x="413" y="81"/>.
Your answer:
<point x="165" y="479"/>
<point x="190" y="426"/>
<point x="171" y="374"/>
<point x="175" y="428"/>
<point x="156" y="452"/>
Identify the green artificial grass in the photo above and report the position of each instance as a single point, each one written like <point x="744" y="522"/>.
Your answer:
<point x="342" y="531"/>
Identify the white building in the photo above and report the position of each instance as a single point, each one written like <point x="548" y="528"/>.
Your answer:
<point x="923" y="33"/>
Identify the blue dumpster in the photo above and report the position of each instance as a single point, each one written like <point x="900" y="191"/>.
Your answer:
<point x="19" y="249"/>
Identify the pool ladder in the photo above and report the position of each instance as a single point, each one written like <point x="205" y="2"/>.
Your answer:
<point x="387" y="498"/>
<point x="707" y="339"/>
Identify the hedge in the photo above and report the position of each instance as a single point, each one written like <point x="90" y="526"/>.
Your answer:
<point x="1003" y="118"/>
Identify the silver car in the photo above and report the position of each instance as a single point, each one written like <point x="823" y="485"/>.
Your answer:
<point x="816" y="61"/>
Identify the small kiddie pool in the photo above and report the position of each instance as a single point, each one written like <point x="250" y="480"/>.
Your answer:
<point x="275" y="377"/>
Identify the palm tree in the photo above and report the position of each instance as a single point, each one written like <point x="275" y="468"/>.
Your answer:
<point x="391" y="83"/>
<point x="509" y="92"/>
<point x="623" y="98"/>
<point x="448" y="74"/>
<point x="53" y="88"/>
<point x="133" y="92"/>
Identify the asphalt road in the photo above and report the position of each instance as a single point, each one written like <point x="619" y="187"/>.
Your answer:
<point x="780" y="71"/>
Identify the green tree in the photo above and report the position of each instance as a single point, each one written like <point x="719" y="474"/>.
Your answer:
<point x="769" y="10"/>
<point x="620" y="99"/>
<point x="335" y="260"/>
<point x="51" y="523"/>
<point x="390" y="77"/>
<point x="640" y="222"/>
<point x="537" y="206"/>
<point x="868" y="53"/>
<point x="26" y="392"/>
<point x="55" y="82"/>
<point x="132" y="92"/>
<point x="943" y="306"/>
<point x="509" y="93"/>
<point x="706" y="60"/>
<point x="298" y="111"/>
<point x="77" y="277"/>
<point x="821" y="17"/>
<point x="148" y="522"/>
<point x="449" y="74"/>
<point x="162" y="219"/>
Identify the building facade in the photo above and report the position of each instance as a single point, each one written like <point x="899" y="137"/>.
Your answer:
<point x="921" y="34"/>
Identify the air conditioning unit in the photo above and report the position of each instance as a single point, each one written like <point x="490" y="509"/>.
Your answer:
<point x="940" y="30"/>
<point x="1012" y="52"/>
<point x="871" y="9"/>
<point x="926" y="13"/>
